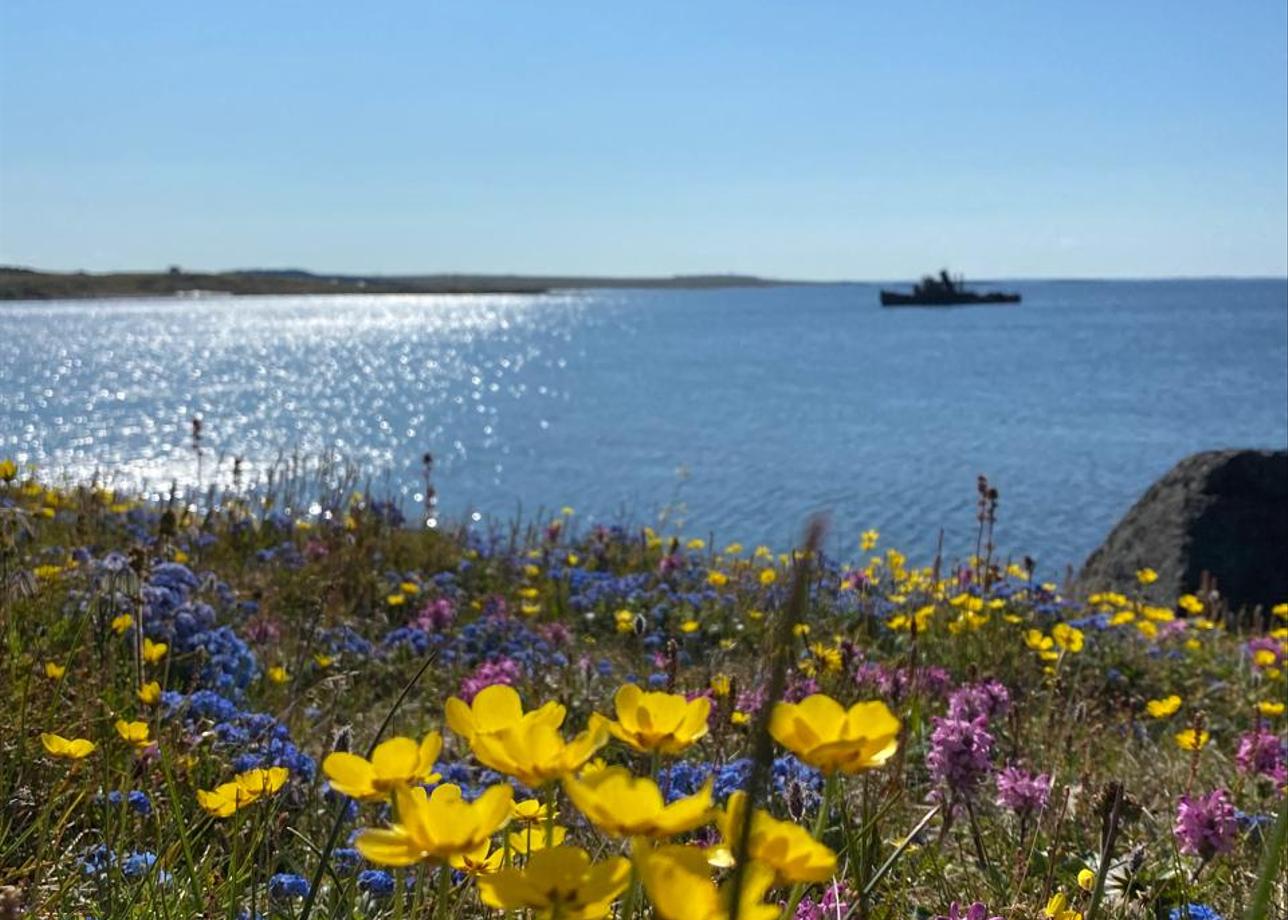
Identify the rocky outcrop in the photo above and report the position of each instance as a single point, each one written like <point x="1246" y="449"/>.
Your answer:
<point x="1221" y="515"/>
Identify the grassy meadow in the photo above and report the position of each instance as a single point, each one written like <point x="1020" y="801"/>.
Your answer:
<point x="245" y="712"/>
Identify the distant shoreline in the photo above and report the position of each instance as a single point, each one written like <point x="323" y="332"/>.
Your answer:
<point x="27" y="284"/>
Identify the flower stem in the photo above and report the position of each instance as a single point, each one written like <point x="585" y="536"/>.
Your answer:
<point x="444" y="889"/>
<point x="830" y="786"/>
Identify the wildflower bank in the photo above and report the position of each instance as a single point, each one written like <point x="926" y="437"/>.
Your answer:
<point x="250" y="713"/>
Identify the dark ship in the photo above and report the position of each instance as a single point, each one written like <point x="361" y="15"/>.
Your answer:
<point x="943" y="291"/>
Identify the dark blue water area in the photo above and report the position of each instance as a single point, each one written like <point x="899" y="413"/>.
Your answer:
<point x="730" y="414"/>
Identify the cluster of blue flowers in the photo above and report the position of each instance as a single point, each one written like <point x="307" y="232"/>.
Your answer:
<point x="99" y="860"/>
<point x="136" y="799"/>
<point x="474" y="780"/>
<point x="792" y="780"/>
<point x="257" y="739"/>
<point x="286" y="885"/>
<point x="172" y="615"/>
<point x="487" y="638"/>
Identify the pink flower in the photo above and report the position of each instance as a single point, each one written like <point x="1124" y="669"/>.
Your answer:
<point x="1205" y="826"/>
<point x="1263" y="752"/>
<point x="502" y="671"/>
<point x="1022" y="792"/>
<point x="436" y="615"/>
<point x="959" y="753"/>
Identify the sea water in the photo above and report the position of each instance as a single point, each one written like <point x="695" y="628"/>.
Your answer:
<point x="728" y="414"/>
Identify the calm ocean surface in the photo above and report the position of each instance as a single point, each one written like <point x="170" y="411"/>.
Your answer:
<point x="740" y="410"/>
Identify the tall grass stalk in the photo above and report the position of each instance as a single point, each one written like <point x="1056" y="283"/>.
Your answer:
<point x="762" y="744"/>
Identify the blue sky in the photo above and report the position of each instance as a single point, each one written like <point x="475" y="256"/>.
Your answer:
<point x="809" y="140"/>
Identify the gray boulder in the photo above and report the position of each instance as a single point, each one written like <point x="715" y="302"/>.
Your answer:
<point x="1220" y="515"/>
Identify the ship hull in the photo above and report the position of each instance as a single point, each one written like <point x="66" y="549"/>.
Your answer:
<point x="898" y="299"/>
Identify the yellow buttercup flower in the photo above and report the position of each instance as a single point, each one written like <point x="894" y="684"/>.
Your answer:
<point x="1158" y="614"/>
<point x="1146" y="576"/>
<point x="920" y="619"/>
<point x="149" y="693"/>
<point x="828" y="657"/>
<point x="1161" y="709"/>
<point x="768" y="576"/>
<point x="1043" y="645"/>
<point x="624" y="621"/>
<point x="678" y="882"/>
<point x="1068" y="637"/>
<point x="437" y="826"/>
<point x="868" y="540"/>
<point x="721" y="685"/>
<point x="534" y="752"/>
<point x="531" y="839"/>
<point x="1269" y="708"/>
<point x="122" y="622"/>
<point x="483" y="860"/>
<point x="558" y="882"/>
<point x="1058" y="908"/>
<point x="248" y="787"/>
<point x="623" y="805"/>
<point x="277" y="674"/>
<point x="224" y="800"/>
<point x="652" y="721"/>
<point x="8" y="470"/>
<point x="67" y="748"/>
<point x="154" y="651"/>
<point x="1190" y="740"/>
<point x="786" y="848"/>
<point x="136" y="733"/>
<point x="717" y="579"/>
<point x="1264" y="658"/>
<point x="495" y="709"/>
<point x="1086" y="879"/>
<point x="825" y="735"/>
<point x="690" y="626"/>
<point x="1189" y="603"/>
<point x="529" y="811"/>
<point x="54" y="671"/>
<point x="395" y="763"/>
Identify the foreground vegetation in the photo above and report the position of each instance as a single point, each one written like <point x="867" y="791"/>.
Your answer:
<point x="246" y="712"/>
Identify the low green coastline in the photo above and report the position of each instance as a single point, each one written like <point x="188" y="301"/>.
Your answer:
<point x="28" y="284"/>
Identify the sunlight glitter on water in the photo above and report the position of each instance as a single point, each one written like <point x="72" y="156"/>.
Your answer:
<point x="735" y="411"/>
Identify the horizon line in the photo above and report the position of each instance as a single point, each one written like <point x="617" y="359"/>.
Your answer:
<point x="631" y="276"/>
